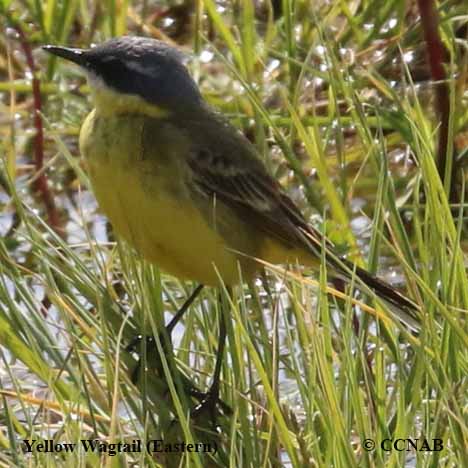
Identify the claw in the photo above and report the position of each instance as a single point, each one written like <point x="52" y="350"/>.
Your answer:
<point x="203" y="396"/>
<point x="211" y="405"/>
<point x="151" y="352"/>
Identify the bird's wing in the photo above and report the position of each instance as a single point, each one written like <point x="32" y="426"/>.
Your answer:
<point x="224" y="166"/>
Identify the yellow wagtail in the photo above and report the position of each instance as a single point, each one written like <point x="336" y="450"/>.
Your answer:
<point x="182" y="185"/>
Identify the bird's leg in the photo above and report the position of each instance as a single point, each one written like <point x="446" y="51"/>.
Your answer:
<point x="165" y="340"/>
<point x="180" y="313"/>
<point x="211" y="398"/>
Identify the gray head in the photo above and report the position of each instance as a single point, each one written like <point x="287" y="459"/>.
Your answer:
<point x="138" y="66"/>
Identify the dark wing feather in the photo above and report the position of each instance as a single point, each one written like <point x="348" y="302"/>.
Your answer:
<point x="228" y="169"/>
<point x="224" y="166"/>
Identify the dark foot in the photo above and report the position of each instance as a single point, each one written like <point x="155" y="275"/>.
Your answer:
<point x="202" y="397"/>
<point x="210" y="406"/>
<point x="151" y="353"/>
<point x="134" y="347"/>
<point x="151" y="348"/>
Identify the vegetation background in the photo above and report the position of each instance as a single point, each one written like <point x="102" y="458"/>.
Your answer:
<point x="359" y="109"/>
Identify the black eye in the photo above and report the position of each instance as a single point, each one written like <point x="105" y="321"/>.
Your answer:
<point x="112" y="65"/>
<point x="115" y="74"/>
<point x="204" y="155"/>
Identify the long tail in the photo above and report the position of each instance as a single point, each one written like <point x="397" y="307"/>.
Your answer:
<point x="404" y="309"/>
<point x="401" y="306"/>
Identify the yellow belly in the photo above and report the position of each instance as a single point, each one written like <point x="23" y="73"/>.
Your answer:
<point x="153" y="213"/>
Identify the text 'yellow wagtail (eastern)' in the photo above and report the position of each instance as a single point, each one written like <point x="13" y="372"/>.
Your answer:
<point x="182" y="185"/>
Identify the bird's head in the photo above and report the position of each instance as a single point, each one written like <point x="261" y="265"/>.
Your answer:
<point x="135" y="74"/>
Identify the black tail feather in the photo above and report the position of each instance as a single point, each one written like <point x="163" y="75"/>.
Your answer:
<point x="401" y="306"/>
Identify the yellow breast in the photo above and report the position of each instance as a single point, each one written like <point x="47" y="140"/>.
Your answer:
<point x="152" y="209"/>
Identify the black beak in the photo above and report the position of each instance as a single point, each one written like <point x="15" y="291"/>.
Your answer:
<point x="74" y="55"/>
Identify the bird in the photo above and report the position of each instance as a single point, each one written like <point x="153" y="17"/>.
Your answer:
<point x="187" y="189"/>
